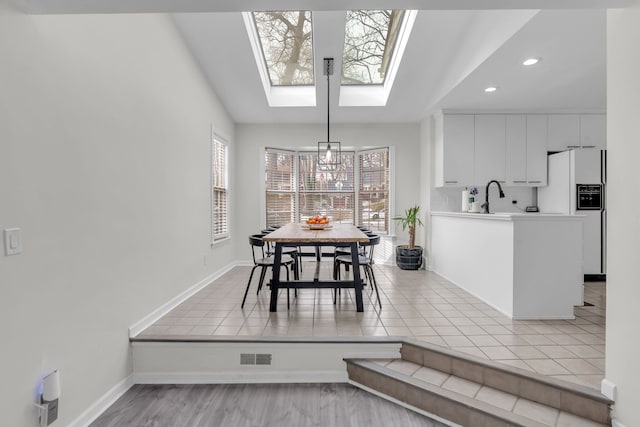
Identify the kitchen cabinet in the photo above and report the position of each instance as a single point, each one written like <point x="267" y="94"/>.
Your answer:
<point x="536" y="150"/>
<point x="574" y="131"/>
<point x="473" y="149"/>
<point x="490" y="154"/>
<point x="454" y="150"/>
<point x="516" y="149"/>
<point x="593" y="131"/>
<point x="563" y="132"/>
<point x="527" y="266"/>
<point x="526" y="150"/>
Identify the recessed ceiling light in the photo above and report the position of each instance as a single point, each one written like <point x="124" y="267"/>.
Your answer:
<point x="491" y="89"/>
<point x="530" y="61"/>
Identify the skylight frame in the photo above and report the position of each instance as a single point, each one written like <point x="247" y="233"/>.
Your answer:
<point x="278" y="95"/>
<point x="387" y="52"/>
<point x="371" y="95"/>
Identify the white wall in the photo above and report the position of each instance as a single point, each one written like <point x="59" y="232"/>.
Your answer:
<point x="426" y="180"/>
<point x="104" y="164"/>
<point x="253" y="138"/>
<point x="623" y="134"/>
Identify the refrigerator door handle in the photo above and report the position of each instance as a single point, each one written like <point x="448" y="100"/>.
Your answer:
<point x="603" y="241"/>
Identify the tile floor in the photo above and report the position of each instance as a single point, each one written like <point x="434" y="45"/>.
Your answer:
<point x="416" y="304"/>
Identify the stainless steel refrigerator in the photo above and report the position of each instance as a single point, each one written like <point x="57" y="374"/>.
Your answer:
<point x="577" y="186"/>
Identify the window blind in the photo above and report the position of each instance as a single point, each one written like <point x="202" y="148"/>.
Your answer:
<point x="326" y="192"/>
<point x="373" y="194"/>
<point x="219" y="204"/>
<point x="280" y="187"/>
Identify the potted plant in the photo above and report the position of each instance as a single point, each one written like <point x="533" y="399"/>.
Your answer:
<point x="409" y="257"/>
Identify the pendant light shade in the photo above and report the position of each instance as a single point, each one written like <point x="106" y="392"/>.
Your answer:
<point x="329" y="152"/>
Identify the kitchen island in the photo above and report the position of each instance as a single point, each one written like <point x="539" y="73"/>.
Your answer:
<point x="528" y="266"/>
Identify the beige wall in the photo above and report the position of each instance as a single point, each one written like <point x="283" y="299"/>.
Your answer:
<point x="623" y="137"/>
<point x="104" y="164"/>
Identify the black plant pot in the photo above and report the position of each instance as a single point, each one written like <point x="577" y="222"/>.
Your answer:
<point x="409" y="258"/>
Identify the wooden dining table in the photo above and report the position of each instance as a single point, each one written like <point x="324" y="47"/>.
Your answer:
<point x="296" y="234"/>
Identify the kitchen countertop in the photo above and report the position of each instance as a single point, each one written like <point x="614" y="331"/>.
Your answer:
<point x="511" y="216"/>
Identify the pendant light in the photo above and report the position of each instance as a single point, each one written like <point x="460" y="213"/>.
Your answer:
<point x="329" y="152"/>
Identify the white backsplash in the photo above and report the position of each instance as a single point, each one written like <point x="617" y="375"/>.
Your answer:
<point x="450" y="199"/>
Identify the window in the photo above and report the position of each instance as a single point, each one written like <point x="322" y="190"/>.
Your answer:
<point x="219" y="190"/>
<point x="373" y="194"/>
<point x="286" y="39"/>
<point x="356" y="193"/>
<point x="374" y="43"/>
<point x="369" y="44"/>
<point x="322" y="192"/>
<point x="279" y="176"/>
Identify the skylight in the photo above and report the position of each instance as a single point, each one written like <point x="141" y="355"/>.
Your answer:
<point x="287" y="46"/>
<point x="369" y="44"/>
<point x="374" y="43"/>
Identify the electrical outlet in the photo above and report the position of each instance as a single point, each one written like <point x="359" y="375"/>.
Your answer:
<point x="52" y="411"/>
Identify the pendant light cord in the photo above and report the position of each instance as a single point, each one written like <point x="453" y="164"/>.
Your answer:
<point x="328" y="99"/>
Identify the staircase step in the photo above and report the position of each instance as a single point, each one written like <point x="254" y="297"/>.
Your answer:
<point x="564" y="396"/>
<point x="453" y="398"/>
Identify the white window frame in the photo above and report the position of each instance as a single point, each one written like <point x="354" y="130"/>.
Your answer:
<point x="390" y="189"/>
<point x="277" y="96"/>
<point x="217" y="138"/>
<point x="263" y="203"/>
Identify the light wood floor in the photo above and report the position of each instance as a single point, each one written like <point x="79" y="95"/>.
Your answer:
<point x="237" y="405"/>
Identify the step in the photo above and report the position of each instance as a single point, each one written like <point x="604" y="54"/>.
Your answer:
<point x="562" y="395"/>
<point x="472" y="391"/>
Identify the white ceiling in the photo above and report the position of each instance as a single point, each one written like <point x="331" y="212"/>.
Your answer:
<point x="451" y="57"/>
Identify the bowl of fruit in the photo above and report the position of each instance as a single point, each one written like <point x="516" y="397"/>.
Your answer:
<point x="318" y="222"/>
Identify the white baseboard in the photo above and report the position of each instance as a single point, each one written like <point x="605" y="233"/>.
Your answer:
<point x="152" y="317"/>
<point x="103" y="403"/>
<point x="240" y="377"/>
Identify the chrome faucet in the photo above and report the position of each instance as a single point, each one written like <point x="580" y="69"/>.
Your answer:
<point x="485" y="205"/>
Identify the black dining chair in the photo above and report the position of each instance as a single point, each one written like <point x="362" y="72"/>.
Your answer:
<point x="345" y="249"/>
<point x="261" y="259"/>
<point x="292" y="251"/>
<point x="366" y="262"/>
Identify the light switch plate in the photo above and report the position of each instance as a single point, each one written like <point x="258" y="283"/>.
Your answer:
<point x="12" y="241"/>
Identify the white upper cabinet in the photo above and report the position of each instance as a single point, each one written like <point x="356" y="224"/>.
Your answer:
<point x="526" y="150"/>
<point x="454" y="150"/>
<point x="573" y="131"/>
<point x="516" y="149"/>
<point x="537" y="150"/>
<point x="563" y="132"/>
<point x="489" y="159"/>
<point x="475" y="149"/>
<point x="593" y="131"/>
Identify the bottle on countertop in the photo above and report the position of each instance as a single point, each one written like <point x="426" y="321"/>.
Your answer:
<point x="465" y="200"/>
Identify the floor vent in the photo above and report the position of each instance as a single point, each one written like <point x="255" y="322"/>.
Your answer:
<point x="263" y="359"/>
<point x="255" y="359"/>
<point x="247" y="359"/>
